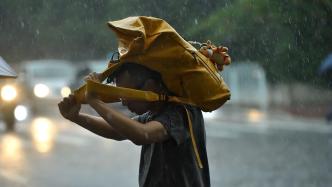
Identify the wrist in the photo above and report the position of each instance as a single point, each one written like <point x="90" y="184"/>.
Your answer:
<point x="75" y="118"/>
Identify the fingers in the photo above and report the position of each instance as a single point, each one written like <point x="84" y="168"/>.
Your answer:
<point x="67" y="101"/>
<point x="69" y="107"/>
<point x="92" y="76"/>
<point x="224" y="53"/>
<point x="64" y="104"/>
<point x="223" y="49"/>
<point x="72" y="99"/>
<point x="226" y="58"/>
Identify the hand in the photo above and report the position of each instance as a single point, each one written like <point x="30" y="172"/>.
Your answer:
<point x="90" y="96"/>
<point x="96" y="77"/>
<point x="69" y="108"/>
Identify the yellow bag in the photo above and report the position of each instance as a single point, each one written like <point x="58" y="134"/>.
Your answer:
<point x="153" y="43"/>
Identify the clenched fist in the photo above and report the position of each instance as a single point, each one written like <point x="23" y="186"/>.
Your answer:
<point x="69" y="108"/>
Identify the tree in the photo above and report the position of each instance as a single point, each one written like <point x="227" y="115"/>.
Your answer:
<point x="281" y="35"/>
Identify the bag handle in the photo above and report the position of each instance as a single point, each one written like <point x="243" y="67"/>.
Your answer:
<point x="110" y="94"/>
<point x="193" y="141"/>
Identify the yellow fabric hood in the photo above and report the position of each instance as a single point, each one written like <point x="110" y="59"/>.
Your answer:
<point x="153" y="43"/>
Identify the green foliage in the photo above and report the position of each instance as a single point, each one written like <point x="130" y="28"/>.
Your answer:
<point x="288" y="37"/>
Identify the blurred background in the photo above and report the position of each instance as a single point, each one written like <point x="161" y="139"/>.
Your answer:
<point x="275" y="131"/>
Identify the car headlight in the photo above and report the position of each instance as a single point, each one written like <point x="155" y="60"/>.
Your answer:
<point x="8" y="93"/>
<point x="41" y="90"/>
<point x="21" y="112"/>
<point x="65" y="91"/>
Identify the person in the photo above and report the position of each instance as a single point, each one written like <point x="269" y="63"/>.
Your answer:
<point x="161" y="128"/>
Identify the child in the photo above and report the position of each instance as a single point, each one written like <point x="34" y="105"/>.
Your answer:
<point x="167" y="155"/>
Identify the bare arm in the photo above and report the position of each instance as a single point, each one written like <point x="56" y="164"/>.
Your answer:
<point x="69" y="109"/>
<point x="135" y="131"/>
<point x="98" y="126"/>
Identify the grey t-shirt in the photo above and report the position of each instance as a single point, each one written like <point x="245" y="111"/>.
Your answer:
<point x="173" y="163"/>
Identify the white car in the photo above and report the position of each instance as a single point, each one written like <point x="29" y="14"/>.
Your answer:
<point x="47" y="80"/>
<point x="85" y="68"/>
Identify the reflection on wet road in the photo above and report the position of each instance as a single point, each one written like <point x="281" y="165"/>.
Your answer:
<point x="245" y="149"/>
<point x="11" y="150"/>
<point x="255" y="116"/>
<point x="12" y="158"/>
<point x="43" y="133"/>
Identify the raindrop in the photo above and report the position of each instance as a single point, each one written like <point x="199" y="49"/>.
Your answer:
<point x="263" y="42"/>
<point x="226" y="5"/>
<point x="196" y="21"/>
<point x="37" y="32"/>
<point x="22" y="24"/>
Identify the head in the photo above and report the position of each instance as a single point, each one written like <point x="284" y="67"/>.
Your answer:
<point x="135" y="76"/>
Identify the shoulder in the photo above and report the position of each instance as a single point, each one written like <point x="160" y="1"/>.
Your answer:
<point x="180" y="110"/>
<point x="174" y="118"/>
<point x="172" y="109"/>
<point x="173" y="112"/>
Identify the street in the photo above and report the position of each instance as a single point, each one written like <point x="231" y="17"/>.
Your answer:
<point x="264" y="67"/>
<point x="245" y="150"/>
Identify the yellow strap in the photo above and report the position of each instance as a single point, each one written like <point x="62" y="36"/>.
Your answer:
<point x="198" y="158"/>
<point x="110" y="94"/>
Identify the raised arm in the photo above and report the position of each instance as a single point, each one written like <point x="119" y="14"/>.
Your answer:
<point x="133" y="130"/>
<point x="98" y="126"/>
<point x="69" y="109"/>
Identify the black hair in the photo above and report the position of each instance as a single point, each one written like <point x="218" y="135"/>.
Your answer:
<point x="139" y="72"/>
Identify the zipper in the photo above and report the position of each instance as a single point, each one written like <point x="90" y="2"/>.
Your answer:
<point x="206" y="66"/>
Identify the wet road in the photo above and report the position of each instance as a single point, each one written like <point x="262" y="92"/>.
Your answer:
<point x="245" y="149"/>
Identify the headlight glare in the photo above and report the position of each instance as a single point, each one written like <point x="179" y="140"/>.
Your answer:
<point x="8" y="93"/>
<point x="41" y="90"/>
<point x="21" y="112"/>
<point x="65" y="91"/>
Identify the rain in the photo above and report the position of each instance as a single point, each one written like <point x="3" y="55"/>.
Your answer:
<point x="276" y="129"/>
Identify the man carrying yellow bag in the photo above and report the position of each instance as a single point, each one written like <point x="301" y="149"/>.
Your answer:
<point x="167" y="82"/>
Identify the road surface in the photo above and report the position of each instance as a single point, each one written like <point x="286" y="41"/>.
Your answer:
<point x="245" y="149"/>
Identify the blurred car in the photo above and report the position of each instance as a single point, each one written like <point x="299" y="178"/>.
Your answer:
<point x="248" y="84"/>
<point x="47" y="81"/>
<point x="249" y="90"/>
<point x="11" y="97"/>
<point x="85" y="68"/>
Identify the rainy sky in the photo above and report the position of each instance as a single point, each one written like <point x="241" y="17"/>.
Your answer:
<point x="288" y="38"/>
